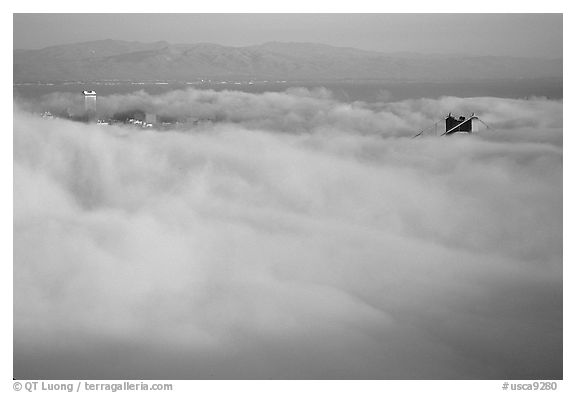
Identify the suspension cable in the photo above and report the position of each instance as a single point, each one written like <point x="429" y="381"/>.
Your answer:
<point x="487" y="126"/>
<point x="426" y="129"/>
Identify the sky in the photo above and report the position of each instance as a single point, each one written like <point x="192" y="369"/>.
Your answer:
<point x="522" y="35"/>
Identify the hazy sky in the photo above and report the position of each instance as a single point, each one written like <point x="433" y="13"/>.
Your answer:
<point x="531" y="35"/>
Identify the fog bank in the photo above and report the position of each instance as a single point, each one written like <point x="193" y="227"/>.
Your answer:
<point x="292" y="236"/>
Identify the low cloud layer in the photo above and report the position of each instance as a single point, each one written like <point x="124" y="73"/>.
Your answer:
<point x="294" y="237"/>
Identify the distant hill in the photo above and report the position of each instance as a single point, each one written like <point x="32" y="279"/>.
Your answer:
<point x="110" y="59"/>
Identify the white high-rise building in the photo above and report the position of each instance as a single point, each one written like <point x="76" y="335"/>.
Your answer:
<point x="90" y="103"/>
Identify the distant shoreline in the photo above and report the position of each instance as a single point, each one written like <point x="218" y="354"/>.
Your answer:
<point x="269" y="81"/>
<point x="347" y="90"/>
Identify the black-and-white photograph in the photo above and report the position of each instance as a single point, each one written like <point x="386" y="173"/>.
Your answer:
<point x="256" y="196"/>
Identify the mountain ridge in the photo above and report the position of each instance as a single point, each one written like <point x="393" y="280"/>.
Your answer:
<point x="131" y="60"/>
